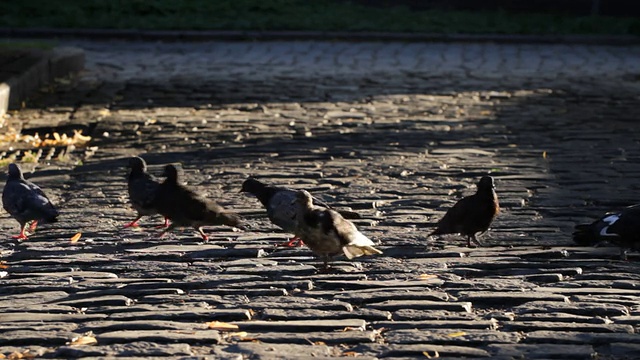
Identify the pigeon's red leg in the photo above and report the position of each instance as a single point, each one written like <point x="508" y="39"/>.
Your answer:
<point x="165" y="225"/>
<point x="134" y="223"/>
<point x="22" y="235"/>
<point x="32" y="228"/>
<point x="204" y="236"/>
<point x="293" y="242"/>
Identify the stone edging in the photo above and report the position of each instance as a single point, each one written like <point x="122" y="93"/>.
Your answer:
<point x="187" y="35"/>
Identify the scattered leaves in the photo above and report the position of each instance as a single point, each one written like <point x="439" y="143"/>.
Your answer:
<point x="221" y="326"/>
<point x="76" y="237"/>
<point x="457" y="334"/>
<point x="21" y="355"/>
<point x="55" y="139"/>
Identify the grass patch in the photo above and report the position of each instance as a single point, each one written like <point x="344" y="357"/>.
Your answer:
<point x="319" y="15"/>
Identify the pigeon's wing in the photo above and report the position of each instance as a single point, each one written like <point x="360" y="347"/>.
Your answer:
<point x="452" y="220"/>
<point x="27" y="199"/>
<point x="282" y="209"/>
<point x="143" y="190"/>
<point x="352" y="241"/>
<point x="625" y="225"/>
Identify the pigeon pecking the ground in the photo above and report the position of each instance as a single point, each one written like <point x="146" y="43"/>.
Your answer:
<point x="472" y="214"/>
<point x="26" y="202"/>
<point x="142" y="188"/>
<point x="279" y="202"/>
<point x="184" y="207"/>
<point x="327" y="233"/>
<point x="622" y="229"/>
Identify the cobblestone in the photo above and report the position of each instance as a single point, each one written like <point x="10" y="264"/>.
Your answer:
<point x="394" y="132"/>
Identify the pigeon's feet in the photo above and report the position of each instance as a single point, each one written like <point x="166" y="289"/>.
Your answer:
<point x="32" y="227"/>
<point x="134" y="224"/>
<point x="293" y="242"/>
<point x="165" y="225"/>
<point x="21" y="236"/>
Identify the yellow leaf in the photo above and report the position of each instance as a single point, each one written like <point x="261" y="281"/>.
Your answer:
<point x="241" y="335"/>
<point x="429" y="356"/>
<point x="21" y="355"/>
<point x="350" y="354"/>
<point x="351" y="328"/>
<point x="76" y="237"/>
<point x="2" y="356"/>
<point x="3" y="266"/>
<point x="427" y="276"/>
<point x="319" y="343"/>
<point x="222" y="326"/>
<point x="83" y="340"/>
<point x="456" y="334"/>
<point x="544" y="154"/>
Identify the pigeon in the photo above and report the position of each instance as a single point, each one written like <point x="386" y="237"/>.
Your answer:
<point x="327" y="233"/>
<point x="621" y="228"/>
<point x="26" y="202"/>
<point x="279" y="202"/>
<point x="184" y="207"/>
<point x="142" y="191"/>
<point x="472" y="214"/>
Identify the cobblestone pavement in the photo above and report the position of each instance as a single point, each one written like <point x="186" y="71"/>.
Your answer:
<point x="397" y="133"/>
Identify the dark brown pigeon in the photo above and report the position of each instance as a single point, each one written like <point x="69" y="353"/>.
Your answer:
<point x="279" y="202"/>
<point x="185" y="207"/>
<point x="26" y="202"/>
<point x="472" y="214"/>
<point x="621" y="228"/>
<point x="327" y="233"/>
<point x="142" y="191"/>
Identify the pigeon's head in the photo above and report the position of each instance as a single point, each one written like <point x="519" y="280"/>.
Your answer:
<point x="251" y="185"/>
<point x="137" y="164"/>
<point x="486" y="183"/>
<point x="171" y="173"/>
<point x="15" y="172"/>
<point x="303" y="197"/>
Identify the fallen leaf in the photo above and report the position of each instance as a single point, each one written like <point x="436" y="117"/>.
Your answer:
<point x="4" y="266"/>
<point x="544" y="154"/>
<point x="83" y="340"/>
<point x="350" y="354"/>
<point x="76" y="237"/>
<point x="427" y="276"/>
<point x="351" y="328"/>
<point x="319" y="343"/>
<point x="456" y="334"/>
<point x="241" y="335"/>
<point x="222" y="326"/>
<point x="21" y="355"/>
<point x="429" y="356"/>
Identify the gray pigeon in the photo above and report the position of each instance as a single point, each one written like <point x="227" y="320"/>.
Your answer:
<point x="327" y="233"/>
<point x="185" y="207"/>
<point x="26" y="202"/>
<point x="472" y="214"/>
<point x="621" y="228"/>
<point x="142" y="188"/>
<point x="281" y="210"/>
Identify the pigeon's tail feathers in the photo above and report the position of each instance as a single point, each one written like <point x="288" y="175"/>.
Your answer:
<point x="353" y="251"/>
<point x="232" y="219"/>
<point x="584" y="235"/>
<point x="360" y="245"/>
